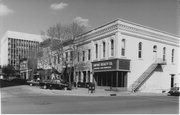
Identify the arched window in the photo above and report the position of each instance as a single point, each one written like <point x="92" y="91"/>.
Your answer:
<point x="172" y="56"/>
<point x="164" y="54"/>
<point x="154" y="48"/>
<point x="96" y="49"/>
<point x="104" y="49"/>
<point x="112" y="47"/>
<point x="154" y="51"/>
<point x="123" y="47"/>
<point x="140" y="50"/>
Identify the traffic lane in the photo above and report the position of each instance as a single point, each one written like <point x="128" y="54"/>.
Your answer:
<point x="73" y="104"/>
<point x="122" y="106"/>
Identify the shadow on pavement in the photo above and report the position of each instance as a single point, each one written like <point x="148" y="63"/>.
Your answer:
<point x="14" y="82"/>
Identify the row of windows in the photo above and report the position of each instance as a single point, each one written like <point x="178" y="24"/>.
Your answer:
<point x="111" y="48"/>
<point x="22" y="45"/>
<point x="84" y="55"/>
<point x="123" y="50"/>
<point x="13" y="40"/>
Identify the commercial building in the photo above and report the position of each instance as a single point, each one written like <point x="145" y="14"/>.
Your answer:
<point x="128" y="56"/>
<point x="17" y="45"/>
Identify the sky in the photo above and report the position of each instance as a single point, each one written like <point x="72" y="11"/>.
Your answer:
<point x="34" y="16"/>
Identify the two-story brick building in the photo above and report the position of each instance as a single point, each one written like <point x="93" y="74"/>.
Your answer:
<point x="128" y="56"/>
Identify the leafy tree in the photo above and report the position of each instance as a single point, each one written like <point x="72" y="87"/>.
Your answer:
<point x="8" y="70"/>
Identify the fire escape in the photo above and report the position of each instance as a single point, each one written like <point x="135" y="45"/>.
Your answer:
<point x="147" y="73"/>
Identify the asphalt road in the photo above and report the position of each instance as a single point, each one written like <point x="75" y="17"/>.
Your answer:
<point x="46" y="104"/>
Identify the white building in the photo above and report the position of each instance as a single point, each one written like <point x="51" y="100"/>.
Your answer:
<point x="17" y="45"/>
<point x="128" y="56"/>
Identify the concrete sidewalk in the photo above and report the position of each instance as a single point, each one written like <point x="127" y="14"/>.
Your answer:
<point x="98" y="92"/>
<point x="37" y="91"/>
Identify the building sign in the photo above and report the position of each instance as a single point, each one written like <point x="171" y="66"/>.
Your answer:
<point x="104" y="65"/>
<point x="111" y="65"/>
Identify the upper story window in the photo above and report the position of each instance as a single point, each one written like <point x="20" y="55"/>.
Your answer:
<point x="83" y="58"/>
<point x="123" y="43"/>
<point x="154" y="52"/>
<point x="172" y="56"/>
<point x="112" y="47"/>
<point x="140" y="50"/>
<point x="58" y="59"/>
<point x="78" y="56"/>
<point x="71" y="55"/>
<point x="154" y="48"/>
<point x="164" y="53"/>
<point x="89" y="54"/>
<point x="96" y="49"/>
<point x="104" y="49"/>
<point x="54" y="59"/>
<point x="66" y="54"/>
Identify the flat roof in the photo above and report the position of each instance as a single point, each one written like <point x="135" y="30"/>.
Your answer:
<point x="22" y="36"/>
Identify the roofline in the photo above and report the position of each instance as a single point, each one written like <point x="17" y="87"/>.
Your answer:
<point x="28" y="34"/>
<point x="129" y="22"/>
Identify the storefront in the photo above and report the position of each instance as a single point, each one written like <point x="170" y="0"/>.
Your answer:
<point x="111" y="73"/>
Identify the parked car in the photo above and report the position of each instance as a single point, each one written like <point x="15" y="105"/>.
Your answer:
<point x="52" y="84"/>
<point x="174" y="91"/>
<point x="33" y="82"/>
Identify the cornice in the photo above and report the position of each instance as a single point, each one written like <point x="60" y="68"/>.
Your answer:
<point x="148" y="38"/>
<point x="148" y="33"/>
<point x="121" y="25"/>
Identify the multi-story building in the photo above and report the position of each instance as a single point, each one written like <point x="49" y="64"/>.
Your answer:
<point x="17" y="45"/>
<point x="54" y="60"/>
<point x="128" y="56"/>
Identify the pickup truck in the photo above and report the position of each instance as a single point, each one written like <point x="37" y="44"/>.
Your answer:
<point x="52" y="84"/>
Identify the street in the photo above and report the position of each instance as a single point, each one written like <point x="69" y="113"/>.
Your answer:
<point x="25" y="102"/>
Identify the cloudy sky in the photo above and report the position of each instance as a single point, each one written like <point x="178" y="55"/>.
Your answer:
<point x="33" y="16"/>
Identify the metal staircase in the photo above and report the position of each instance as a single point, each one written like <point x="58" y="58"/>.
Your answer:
<point x="143" y="78"/>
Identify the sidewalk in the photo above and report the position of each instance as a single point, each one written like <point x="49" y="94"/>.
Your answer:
<point x="37" y="91"/>
<point x="98" y="92"/>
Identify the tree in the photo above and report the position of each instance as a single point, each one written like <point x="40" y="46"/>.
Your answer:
<point x="8" y="70"/>
<point x="62" y="36"/>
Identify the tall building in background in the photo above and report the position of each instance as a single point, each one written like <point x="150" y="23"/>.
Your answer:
<point x="17" y="45"/>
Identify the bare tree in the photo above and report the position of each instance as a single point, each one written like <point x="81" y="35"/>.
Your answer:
<point x="62" y="36"/>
